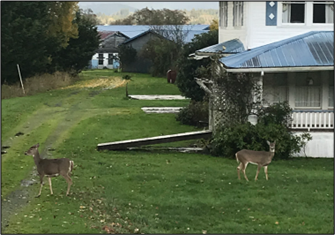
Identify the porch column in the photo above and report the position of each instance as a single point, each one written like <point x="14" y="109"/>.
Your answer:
<point x="260" y="84"/>
<point x="291" y="89"/>
<point x="324" y="89"/>
<point x="210" y="113"/>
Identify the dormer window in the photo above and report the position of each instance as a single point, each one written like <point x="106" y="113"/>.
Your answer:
<point x="293" y="12"/>
<point x="296" y="12"/>
<point x="223" y="14"/>
<point x="237" y="14"/>
<point x="323" y="12"/>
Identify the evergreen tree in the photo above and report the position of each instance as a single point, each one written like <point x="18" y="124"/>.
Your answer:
<point x="187" y="68"/>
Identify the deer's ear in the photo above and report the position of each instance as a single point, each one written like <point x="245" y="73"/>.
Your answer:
<point x="268" y="142"/>
<point x="37" y="145"/>
<point x="274" y="142"/>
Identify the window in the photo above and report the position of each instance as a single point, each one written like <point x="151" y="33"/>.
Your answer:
<point x="308" y="91"/>
<point x="331" y="89"/>
<point x="101" y="59"/>
<point x="237" y="13"/>
<point x="293" y="12"/>
<point x="275" y="88"/>
<point x="323" y="12"/>
<point x="223" y="14"/>
<point x="110" y="58"/>
<point x="280" y="87"/>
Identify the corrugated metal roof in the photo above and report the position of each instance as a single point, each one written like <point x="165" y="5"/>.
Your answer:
<point x="189" y="35"/>
<point x="134" y="30"/>
<point x="229" y="47"/>
<point x="140" y="35"/>
<point x="314" y="48"/>
<point x="104" y="34"/>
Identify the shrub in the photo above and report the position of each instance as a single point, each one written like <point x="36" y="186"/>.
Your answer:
<point x="272" y="126"/>
<point x="230" y="140"/>
<point x="127" y="54"/>
<point x="195" y="114"/>
<point x="126" y="77"/>
<point x="187" y="69"/>
<point x="279" y="113"/>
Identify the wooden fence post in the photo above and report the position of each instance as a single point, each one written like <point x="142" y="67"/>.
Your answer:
<point x="18" y="69"/>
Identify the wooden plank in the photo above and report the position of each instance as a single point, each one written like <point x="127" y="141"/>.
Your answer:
<point x="158" y="97"/>
<point x="161" y="109"/>
<point x="155" y="140"/>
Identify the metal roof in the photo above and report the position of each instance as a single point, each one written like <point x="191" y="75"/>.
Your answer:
<point x="314" y="48"/>
<point x="140" y="35"/>
<point x="229" y="47"/>
<point x="222" y="49"/>
<point x="104" y="34"/>
<point x="189" y="35"/>
<point x="134" y="30"/>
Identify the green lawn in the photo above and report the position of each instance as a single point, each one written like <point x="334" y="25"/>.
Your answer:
<point x="158" y="192"/>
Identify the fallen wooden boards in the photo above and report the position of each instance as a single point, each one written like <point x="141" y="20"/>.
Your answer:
<point x="118" y="145"/>
<point x="157" y="97"/>
<point x="161" y="109"/>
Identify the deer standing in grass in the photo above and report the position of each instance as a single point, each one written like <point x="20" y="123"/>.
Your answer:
<point x="51" y="168"/>
<point x="260" y="158"/>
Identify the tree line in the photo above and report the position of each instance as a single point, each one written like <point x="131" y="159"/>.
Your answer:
<point x="44" y="37"/>
<point x="147" y="16"/>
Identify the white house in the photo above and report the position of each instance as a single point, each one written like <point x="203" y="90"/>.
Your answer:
<point x="106" y="55"/>
<point x="259" y="23"/>
<point x="289" y="46"/>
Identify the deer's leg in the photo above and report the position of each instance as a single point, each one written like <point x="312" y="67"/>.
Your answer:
<point x="69" y="183"/>
<point x="49" y="179"/>
<point x="41" y="181"/>
<point x="258" y="168"/>
<point x="266" y="172"/>
<point x="244" y="167"/>
<point x="238" y="170"/>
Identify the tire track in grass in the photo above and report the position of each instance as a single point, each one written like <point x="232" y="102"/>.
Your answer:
<point x="67" y="119"/>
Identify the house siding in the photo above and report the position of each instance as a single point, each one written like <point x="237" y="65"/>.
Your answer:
<point x="141" y="65"/>
<point x="141" y="41"/>
<point x="255" y="32"/>
<point x="114" y="41"/>
<point x="321" y="145"/>
<point x="95" y="61"/>
<point x="231" y="32"/>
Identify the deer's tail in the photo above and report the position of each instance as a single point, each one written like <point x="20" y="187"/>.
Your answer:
<point x="71" y="165"/>
<point x="237" y="158"/>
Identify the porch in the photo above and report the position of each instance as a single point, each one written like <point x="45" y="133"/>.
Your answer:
<point x="317" y="120"/>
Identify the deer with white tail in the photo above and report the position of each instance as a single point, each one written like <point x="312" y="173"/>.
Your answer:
<point x="51" y="168"/>
<point x="260" y="158"/>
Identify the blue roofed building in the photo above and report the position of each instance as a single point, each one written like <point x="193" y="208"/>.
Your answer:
<point x="135" y="35"/>
<point x="134" y="30"/>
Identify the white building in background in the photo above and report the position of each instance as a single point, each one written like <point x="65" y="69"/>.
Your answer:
<point x="105" y="60"/>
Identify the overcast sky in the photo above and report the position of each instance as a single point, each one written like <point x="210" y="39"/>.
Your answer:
<point x="161" y="5"/>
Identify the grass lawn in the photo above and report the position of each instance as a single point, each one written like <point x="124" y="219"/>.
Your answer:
<point x="147" y="192"/>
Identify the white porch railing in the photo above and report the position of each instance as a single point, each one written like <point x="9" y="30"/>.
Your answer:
<point x="312" y="119"/>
